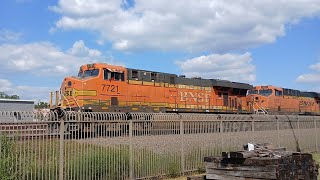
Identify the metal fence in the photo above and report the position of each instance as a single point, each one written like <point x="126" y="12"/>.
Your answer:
<point x="137" y="145"/>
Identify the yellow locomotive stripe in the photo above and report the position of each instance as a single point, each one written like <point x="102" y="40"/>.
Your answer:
<point x="84" y="93"/>
<point x="69" y="92"/>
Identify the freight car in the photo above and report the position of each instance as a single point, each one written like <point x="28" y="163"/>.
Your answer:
<point x="276" y="100"/>
<point x="103" y="87"/>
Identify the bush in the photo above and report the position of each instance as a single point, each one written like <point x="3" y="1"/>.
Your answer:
<point x="99" y="163"/>
<point x="7" y="158"/>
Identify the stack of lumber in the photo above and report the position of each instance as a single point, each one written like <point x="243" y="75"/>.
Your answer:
<point x="264" y="162"/>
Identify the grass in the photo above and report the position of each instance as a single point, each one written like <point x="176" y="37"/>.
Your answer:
<point x="39" y="159"/>
<point x="316" y="157"/>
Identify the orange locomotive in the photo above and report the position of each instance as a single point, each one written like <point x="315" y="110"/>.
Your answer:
<point x="275" y="100"/>
<point x="104" y="87"/>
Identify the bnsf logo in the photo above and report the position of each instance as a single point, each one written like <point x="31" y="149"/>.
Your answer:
<point x="306" y="103"/>
<point x="196" y="97"/>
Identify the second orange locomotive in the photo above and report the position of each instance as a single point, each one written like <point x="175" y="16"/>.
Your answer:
<point x="276" y="100"/>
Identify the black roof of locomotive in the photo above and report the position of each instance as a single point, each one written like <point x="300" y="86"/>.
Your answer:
<point x="293" y="92"/>
<point x="174" y="79"/>
<point x="224" y="83"/>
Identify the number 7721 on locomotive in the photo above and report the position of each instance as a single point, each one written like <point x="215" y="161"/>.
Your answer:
<point x="103" y="87"/>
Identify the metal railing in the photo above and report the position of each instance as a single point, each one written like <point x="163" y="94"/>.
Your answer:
<point x="136" y="145"/>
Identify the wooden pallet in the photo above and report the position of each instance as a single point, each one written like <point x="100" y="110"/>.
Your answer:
<point x="262" y="163"/>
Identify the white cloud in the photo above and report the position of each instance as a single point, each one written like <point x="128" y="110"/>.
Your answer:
<point x="45" y="59"/>
<point x="308" y="78"/>
<point x="121" y="45"/>
<point x="9" y="36"/>
<point x="312" y="78"/>
<point x="34" y="92"/>
<point x="26" y="92"/>
<point x="41" y="60"/>
<point x="233" y="67"/>
<point x="315" y="67"/>
<point x="187" y="25"/>
<point x="5" y="85"/>
<point x="79" y="49"/>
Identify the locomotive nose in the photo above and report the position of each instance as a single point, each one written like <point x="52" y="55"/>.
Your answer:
<point x="67" y="82"/>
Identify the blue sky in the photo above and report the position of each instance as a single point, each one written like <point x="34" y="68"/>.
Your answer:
<point x="258" y="42"/>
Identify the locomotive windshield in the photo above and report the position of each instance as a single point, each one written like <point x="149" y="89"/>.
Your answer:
<point x="89" y="73"/>
<point x="80" y="74"/>
<point x="265" y="92"/>
<point x="92" y="73"/>
<point x="252" y="92"/>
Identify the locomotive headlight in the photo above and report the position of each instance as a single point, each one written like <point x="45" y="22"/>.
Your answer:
<point x="69" y="83"/>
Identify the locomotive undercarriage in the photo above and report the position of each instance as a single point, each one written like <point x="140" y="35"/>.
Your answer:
<point x="97" y="124"/>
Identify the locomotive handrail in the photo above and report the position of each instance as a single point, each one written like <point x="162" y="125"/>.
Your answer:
<point x="64" y="97"/>
<point x="75" y="101"/>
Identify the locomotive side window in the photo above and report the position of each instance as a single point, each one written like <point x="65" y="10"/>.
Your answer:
<point x="153" y="76"/>
<point x="278" y="93"/>
<point x="106" y="73"/>
<point x="117" y="76"/>
<point x="134" y="74"/>
<point x="172" y="80"/>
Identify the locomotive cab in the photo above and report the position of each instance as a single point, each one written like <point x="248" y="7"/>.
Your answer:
<point x="271" y="99"/>
<point x="266" y="99"/>
<point x="94" y="83"/>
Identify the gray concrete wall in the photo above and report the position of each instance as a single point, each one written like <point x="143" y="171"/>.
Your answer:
<point x="16" y="110"/>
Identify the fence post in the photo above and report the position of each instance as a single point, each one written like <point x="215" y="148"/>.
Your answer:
<point x="182" y="147"/>
<point x="299" y="135"/>
<point x="278" y="131"/>
<point x="221" y="135"/>
<point x="131" y="174"/>
<point x="252" y="124"/>
<point x="316" y="134"/>
<point x="61" y="150"/>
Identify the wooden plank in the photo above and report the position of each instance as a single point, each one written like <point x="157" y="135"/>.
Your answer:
<point x="246" y="174"/>
<point x="302" y="155"/>
<point x="262" y="161"/>
<point x="199" y="177"/>
<point x="225" y="177"/>
<point x="220" y="160"/>
<point x="243" y="154"/>
<point x="213" y="159"/>
<point x="278" y="149"/>
<point x="232" y="167"/>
